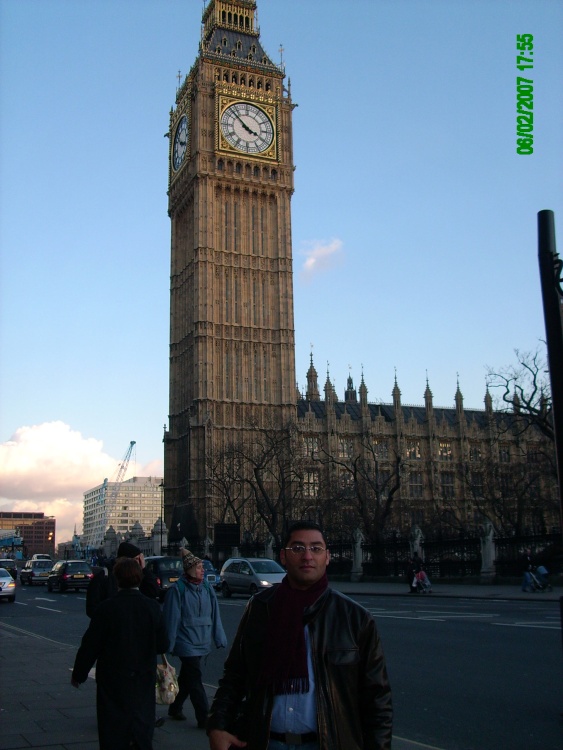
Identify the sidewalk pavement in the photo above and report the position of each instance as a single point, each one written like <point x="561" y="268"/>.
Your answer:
<point x="39" y="709"/>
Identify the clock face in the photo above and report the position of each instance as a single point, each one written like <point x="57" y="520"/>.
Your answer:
<point x="247" y="128"/>
<point x="180" y="143"/>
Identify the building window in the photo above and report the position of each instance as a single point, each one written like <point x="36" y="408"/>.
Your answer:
<point x="504" y="454"/>
<point x="310" y="484"/>
<point x="412" y="450"/>
<point x="381" y="450"/>
<point x="445" y="450"/>
<point x="310" y="446"/>
<point x="477" y="484"/>
<point x="415" y="485"/>
<point x="344" y="448"/>
<point x="447" y="484"/>
<point x="474" y="453"/>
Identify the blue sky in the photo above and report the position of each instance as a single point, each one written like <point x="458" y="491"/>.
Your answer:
<point x="414" y="220"/>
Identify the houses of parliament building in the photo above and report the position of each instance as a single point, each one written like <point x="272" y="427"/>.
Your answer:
<point x="232" y="353"/>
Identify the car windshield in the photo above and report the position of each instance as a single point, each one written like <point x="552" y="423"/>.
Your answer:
<point x="208" y="565"/>
<point x="267" y="566"/>
<point x="7" y="563"/>
<point x="4" y="573"/>
<point x="172" y="566"/>
<point x="43" y="564"/>
<point x="78" y="568"/>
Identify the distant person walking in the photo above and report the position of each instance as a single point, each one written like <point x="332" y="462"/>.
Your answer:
<point x="193" y="624"/>
<point x="526" y="568"/>
<point x="125" y="635"/>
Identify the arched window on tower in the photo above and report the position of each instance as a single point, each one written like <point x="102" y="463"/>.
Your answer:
<point x="220" y="165"/>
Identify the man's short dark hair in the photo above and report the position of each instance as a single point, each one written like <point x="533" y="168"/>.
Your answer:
<point x="302" y="526"/>
<point x="127" y="572"/>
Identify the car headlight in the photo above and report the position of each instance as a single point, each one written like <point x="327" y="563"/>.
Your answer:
<point x="265" y="583"/>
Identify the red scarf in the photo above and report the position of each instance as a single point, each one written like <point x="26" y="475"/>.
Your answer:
<point x="285" y="654"/>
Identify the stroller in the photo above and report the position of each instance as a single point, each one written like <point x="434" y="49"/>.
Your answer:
<point x="539" y="579"/>
<point x="423" y="583"/>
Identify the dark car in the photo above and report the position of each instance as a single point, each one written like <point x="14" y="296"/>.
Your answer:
<point x="248" y="575"/>
<point x="35" y="571"/>
<point x="166" y="570"/>
<point x="11" y="567"/>
<point x="70" y="574"/>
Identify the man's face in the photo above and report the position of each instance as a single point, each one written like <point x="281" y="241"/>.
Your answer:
<point x="304" y="570"/>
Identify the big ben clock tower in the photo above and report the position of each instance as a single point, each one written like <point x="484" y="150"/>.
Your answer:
<point x="232" y="360"/>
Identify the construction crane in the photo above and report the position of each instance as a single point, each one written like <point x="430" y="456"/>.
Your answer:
<point x="108" y="501"/>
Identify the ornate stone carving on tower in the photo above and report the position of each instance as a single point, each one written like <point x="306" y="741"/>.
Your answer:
<point x="232" y="358"/>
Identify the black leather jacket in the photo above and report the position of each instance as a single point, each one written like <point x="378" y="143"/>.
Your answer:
<point x="354" y="710"/>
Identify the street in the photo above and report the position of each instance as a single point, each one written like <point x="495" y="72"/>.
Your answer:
<point x="467" y="674"/>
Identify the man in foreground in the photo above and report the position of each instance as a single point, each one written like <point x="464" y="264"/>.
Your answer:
<point x="306" y="667"/>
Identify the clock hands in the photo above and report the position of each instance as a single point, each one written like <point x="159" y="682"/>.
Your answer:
<point x="244" y="125"/>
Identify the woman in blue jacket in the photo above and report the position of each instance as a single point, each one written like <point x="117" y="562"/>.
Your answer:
<point x="193" y="624"/>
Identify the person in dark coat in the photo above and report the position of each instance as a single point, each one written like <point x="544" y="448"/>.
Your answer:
<point x="103" y="586"/>
<point x="125" y="635"/>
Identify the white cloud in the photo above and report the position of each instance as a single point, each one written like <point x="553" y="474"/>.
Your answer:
<point x="319" y="256"/>
<point x="47" y="468"/>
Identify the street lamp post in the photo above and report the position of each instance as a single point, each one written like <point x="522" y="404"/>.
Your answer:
<point x="161" y="516"/>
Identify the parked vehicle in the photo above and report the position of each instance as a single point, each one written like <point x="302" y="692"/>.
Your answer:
<point x="211" y="574"/>
<point x="35" y="571"/>
<point x="70" y="574"/>
<point x="7" y="586"/>
<point x="11" y="567"/>
<point x="248" y="575"/>
<point x="166" y="570"/>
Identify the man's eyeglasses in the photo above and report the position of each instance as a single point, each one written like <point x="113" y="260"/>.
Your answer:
<point x="300" y="549"/>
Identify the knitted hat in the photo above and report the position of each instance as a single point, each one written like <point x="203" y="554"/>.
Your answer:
<point x="126" y="549"/>
<point x="188" y="559"/>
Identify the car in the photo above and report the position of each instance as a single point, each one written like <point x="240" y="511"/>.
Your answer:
<point x="7" y="586"/>
<point x="11" y="567"/>
<point x="248" y="575"/>
<point x="40" y="556"/>
<point x="70" y="574"/>
<point x="211" y="574"/>
<point x="35" y="571"/>
<point x="166" y="570"/>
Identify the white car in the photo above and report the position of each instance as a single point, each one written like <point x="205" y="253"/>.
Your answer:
<point x="7" y="586"/>
<point x="248" y="575"/>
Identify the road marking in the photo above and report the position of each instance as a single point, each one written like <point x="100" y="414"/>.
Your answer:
<point x="416" y="744"/>
<point x="404" y="617"/>
<point x="49" y="609"/>
<point x="525" y="625"/>
<point x="35" y="635"/>
<point x="42" y="599"/>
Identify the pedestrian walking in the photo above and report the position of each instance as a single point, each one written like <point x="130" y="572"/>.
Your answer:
<point x="306" y="669"/>
<point x="125" y="635"/>
<point x="103" y="586"/>
<point x="193" y="623"/>
<point x="526" y="569"/>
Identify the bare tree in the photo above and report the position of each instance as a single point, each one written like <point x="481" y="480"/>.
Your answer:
<point x="365" y="483"/>
<point x="259" y="479"/>
<point x="524" y="389"/>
